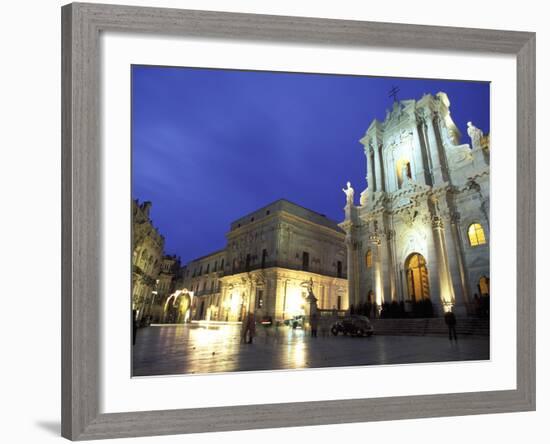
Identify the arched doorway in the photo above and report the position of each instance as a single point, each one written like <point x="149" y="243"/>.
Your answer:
<point x="177" y="307"/>
<point x="418" y="284"/>
<point x="484" y="285"/>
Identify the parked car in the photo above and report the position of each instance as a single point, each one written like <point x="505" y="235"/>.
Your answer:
<point x="354" y="325"/>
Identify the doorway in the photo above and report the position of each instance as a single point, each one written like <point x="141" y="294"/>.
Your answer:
<point x="418" y="284"/>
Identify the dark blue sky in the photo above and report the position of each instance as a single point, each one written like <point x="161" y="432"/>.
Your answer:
<point x="209" y="146"/>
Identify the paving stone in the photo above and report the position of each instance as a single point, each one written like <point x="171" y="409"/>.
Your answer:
<point x="192" y="348"/>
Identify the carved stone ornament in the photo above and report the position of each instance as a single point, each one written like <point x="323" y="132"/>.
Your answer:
<point x="437" y="222"/>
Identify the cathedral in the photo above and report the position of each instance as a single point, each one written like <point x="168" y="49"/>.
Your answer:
<point x="420" y="234"/>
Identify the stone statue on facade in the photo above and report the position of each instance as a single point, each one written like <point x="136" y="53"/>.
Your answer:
<point x="405" y="174"/>
<point x="349" y="191"/>
<point x="310" y="298"/>
<point x="475" y="135"/>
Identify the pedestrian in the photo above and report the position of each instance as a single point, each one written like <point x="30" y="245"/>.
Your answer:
<point x="244" y="328"/>
<point x="134" y="326"/>
<point x="251" y="327"/>
<point x="450" y="320"/>
<point x="314" y="323"/>
<point x="477" y="305"/>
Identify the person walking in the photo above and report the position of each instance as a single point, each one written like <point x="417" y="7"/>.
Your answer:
<point x="134" y="326"/>
<point x="244" y="328"/>
<point x="251" y="327"/>
<point x="450" y="320"/>
<point x="314" y="323"/>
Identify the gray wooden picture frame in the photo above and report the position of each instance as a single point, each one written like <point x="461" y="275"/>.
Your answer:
<point x="81" y="232"/>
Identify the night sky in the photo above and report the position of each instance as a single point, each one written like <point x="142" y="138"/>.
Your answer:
<point x="210" y="146"/>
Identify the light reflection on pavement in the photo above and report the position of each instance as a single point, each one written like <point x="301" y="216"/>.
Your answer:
<point x="216" y="348"/>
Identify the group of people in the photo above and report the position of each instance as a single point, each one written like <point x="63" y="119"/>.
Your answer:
<point x="248" y="327"/>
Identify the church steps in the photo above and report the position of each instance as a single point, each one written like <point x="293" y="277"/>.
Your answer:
<point x="430" y="327"/>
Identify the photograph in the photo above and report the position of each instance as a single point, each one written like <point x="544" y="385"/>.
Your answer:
<point x="292" y="221"/>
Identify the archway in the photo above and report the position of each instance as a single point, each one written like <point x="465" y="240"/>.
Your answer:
<point x="484" y="286"/>
<point x="177" y="307"/>
<point x="418" y="284"/>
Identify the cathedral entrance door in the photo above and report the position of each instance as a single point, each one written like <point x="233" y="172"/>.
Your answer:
<point x="417" y="277"/>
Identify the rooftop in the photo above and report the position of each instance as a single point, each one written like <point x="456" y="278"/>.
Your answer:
<point x="285" y="205"/>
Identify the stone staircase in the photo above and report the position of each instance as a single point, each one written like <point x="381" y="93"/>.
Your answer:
<point x="430" y="327"/>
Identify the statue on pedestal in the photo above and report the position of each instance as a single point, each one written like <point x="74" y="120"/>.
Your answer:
<point x="475" y="134"/>
<point x="349" y="191"/>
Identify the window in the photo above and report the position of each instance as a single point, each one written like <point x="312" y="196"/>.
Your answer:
<point x="404" y="172"/>
<point x="200" y="270"/>
<point x="305" y="261"/>
<point x="207" y="269"/>
<point x="221" y="266"/>
<point x="215" y="266"/>
<point x="264" y="257"/>
<point x="212" y="287"/>
<point x="368" y="259"/>
<point x="260" y="299"/>
<point x="247" y="266"/>
<point x="339" y="269"/>
<point x="476" y="235"/>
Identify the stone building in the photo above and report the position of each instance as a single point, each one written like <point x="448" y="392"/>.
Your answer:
<point x="421" y="230"/>
<point x="147" y="256"/>
<point x="271" y="257"/>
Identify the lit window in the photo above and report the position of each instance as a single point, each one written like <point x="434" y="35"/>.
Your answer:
<point x="476" y="235"/>
<point x="368" y="259"/>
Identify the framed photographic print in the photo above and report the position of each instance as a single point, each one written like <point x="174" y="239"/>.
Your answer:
<point x="288" y="221"/>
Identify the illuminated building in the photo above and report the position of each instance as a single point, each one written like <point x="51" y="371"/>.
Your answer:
<point x="147" y="256"/>
<point x="270" y="256"/>
<point x="421" y="229"/>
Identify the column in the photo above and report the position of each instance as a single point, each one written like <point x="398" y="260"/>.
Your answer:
<point x="429" y="136"/>
<point x="357" y="264"/>
<point x="446" y="292"/>
<point x="370" y="180"/>
<point x="420" y="146"/>
<point x="351" y="267"/>
<point x="379" y="168"/>
<point x="377" y="265"/>
<point x="459" y="252"/>
<point x="373" y="179"/>
<point x="390" y="236"/>
<point x="382" y="167"/>
<point x="280" y="298"/>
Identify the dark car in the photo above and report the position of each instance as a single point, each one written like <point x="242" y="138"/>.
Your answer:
<point x="354" y="325"/>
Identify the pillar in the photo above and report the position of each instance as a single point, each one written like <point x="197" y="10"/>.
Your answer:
<point x="377" y="265"/>
<point x="430" y="139"/>
<point x="446" y="293"/>
<point x="352" y="272"/>
<point x="380" y="186"/>
<point x="460" y="259"/>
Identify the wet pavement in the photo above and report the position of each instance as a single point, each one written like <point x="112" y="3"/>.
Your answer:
<point x="199" y="348"/>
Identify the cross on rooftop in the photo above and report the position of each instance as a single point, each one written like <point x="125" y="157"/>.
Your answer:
<point x="393" y="93"/>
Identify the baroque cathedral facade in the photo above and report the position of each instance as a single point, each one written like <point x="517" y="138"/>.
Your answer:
<point x="421" y="229"/>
